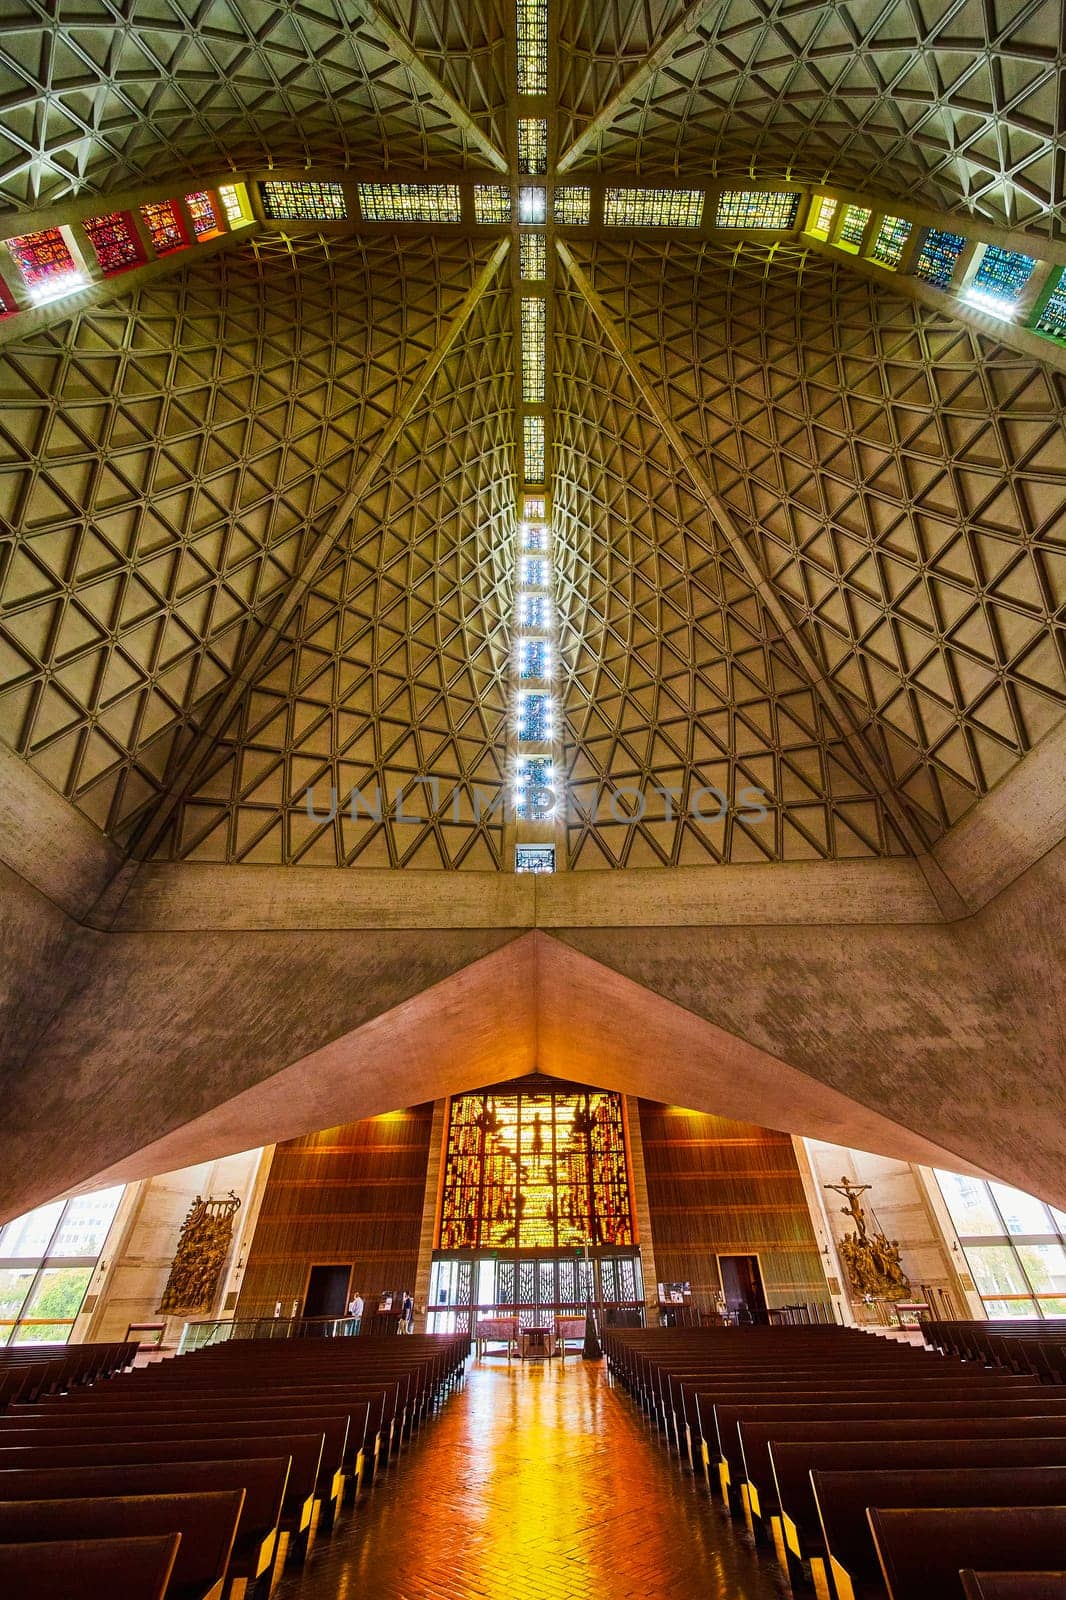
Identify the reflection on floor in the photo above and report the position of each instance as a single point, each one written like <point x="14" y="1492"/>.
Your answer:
<point x="536" y="1481"/>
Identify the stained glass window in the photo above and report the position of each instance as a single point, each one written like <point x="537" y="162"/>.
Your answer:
<point x="532" y="203"/>
<point x="572" y="205"/>
<point x="939" y="257"/>
<point x="534" y="717"/>
<point x="303" y="202"/>
<point x="1052" y="318"/>
<point x="533" y="611"/>
<point x="114" y="238"/>
<point x="531" y="1169"/>
<point x="534" y="858"/>
<point x="202" y="211"/>
<point x="534" y="505"/>
<point x="534" y="536"/>
<point x="533" y="255"/>
<point x="1000" y="278"/>
<point x="534" y="794"/>
<point x="47" y="266"/>
<point x="891" y="241"/>
<point x="822" y="213"/>
<point x="653" y="208"/>
<point x="235" y="203"/>
<point x="534" y="660"/>
<point x="532" y="20"/>
<point x="164" y="226"/>
<point x="492" y="203"/>
<point x="752" y="208"/>
<point x="533" y="570"/>
<point x="410" y="202"/>
<point x="853" y="225"/>
<point x="533" y="442"/>
<point x="532" y="145"/>
<point x="533" y="324"/>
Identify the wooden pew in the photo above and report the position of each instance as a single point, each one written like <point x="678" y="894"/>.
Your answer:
<point x="792" y="1464"/>
<point x="206" y="1522"/>
<point x="92" y="1569"/>
<point x="264" y="1483"/>
<point x="728" y="1418"/>
<point x="305" y="1454"/>
<point x="843" y="1499"/>
<point x="1013" y="1585"/>
<point x="922" y="1552"/>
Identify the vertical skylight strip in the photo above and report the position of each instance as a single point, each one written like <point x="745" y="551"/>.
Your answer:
<point x="533" y="329"/>
<point x="532" y="29"/>
<point x="533" y="445"/>
<point x="533" y="256"/>
<point x="532" y="145"/>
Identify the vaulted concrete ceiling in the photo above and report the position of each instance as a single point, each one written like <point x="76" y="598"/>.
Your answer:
<point x="259" y="535"/>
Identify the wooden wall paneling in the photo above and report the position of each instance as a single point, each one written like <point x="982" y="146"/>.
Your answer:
<point x="718" y="1187"/>
<point x="348" y="1195"/>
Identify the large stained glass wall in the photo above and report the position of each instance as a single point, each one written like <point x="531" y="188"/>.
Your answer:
<point x="536" y="1170"/>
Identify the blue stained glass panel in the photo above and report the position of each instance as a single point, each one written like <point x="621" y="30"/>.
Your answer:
<point x="1002" y="274"/>
<point x="939" y="257"/>
<point x="534" y="718"/>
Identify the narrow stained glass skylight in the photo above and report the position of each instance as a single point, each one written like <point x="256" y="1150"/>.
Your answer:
<point x="653" y="208"/>
<point x="114" y="238"/>
<point x="1052" y="318"/>
<point x="202" y="211"/>
<point x="533" y="611"/>
<point x="303" y="202"/>
<point x="853" y="225"/>
<point x="533" y="349"/>
<point x="532" y="29"/>
<point x="532" y="145"/>
<point x="533" y="788"/>
<point x="492" y="202"/>
<point x="1000" y="278"/>
<point x="533" y="572"/>
<point x="939" y="257"/>
<point x="533" y="255"/>
<point x="164" y="227"/>
<point x="235" y="203"/>
<point x="534" y="536"/>
<point x="533" y="658"/>
<point x="534" y="717"/>
<point x="891" y="241"/>
<point x="825" y="209"/>
<point x="573" y="205"/>
<point x="410" y="202"/>
<point x="534" y="506"/>
<point x="533" y="441"/>
<point x="47" y="267"/>
<point x="752" y="208"/>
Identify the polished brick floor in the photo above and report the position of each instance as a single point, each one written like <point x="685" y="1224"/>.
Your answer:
<point x="535" y="1481"/>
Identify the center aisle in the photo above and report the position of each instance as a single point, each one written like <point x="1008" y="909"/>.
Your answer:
<point x="535" y="1481"/>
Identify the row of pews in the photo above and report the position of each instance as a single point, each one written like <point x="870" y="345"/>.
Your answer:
<point x="896" y="1472"/>
<point x="1036" y="1348"/>
<point x="197" y="1478"/>
<point x="32" y="1371"/>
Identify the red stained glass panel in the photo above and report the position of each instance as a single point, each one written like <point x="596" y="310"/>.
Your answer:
<point x="114" y="238"/>
<point x="164" y="227"/>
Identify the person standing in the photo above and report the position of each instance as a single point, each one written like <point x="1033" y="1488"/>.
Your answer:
<point x="355" y="1312"/>
<point x="407" y="1313"/>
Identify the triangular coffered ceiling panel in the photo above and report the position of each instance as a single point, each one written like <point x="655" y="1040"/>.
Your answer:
<point x="124" y="91"/>
<point x="466" y="46"/>
<point x="394" y="668"/>
<point x="166" y="459"/>
<point x="953" y="103"/>
<point x="899" y="479"/>
<point x="674" y="675"/>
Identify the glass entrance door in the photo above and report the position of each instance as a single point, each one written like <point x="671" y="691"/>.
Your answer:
<point x="535" y="1288"/>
